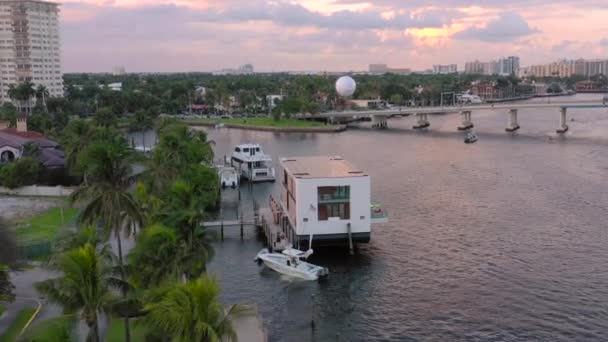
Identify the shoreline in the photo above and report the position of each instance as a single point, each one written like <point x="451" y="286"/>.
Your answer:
<point x="323" y="129"/>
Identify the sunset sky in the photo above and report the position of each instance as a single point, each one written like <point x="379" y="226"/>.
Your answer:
<point x="340" y="35"/>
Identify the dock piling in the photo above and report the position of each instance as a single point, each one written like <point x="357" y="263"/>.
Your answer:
<point x="241" y="225"/>
<point x="312" y="318"/>
<point x="350" y="240"/>
<point x="221" y="224"/>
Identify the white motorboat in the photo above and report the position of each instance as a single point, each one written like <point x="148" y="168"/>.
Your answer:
<point x="229" y="177"/>
<point x="289" y="263"/>
<point x="470" y="138"/>
<point x="253" y="164"/>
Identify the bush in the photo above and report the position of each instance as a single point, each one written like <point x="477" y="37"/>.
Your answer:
<point x="24" y="171"/>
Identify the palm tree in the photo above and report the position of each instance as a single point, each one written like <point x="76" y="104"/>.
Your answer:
<point x="22" y="93"/>
<point x="85" y="285"/>
<point x="42" y="93"/>
<point x="108" y="201"/>
<point x="183" y="210"/>
<point x="191" y="312"/>
<point x="76" y="137"/>
<point x="160" y="255"/>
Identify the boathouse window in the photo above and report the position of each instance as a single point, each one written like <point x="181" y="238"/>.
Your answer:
<point x="246" y="150"/>
<point x="333" y="201"/>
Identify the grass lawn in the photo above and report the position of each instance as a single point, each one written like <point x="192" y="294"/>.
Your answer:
<point x="263" y="122"/>
<point x="54" y="330"/>
<point x="116" y="331"/>
<point x="2" y="309"/>
<point x="45" y="226"/>
<point x="15" y="328"/>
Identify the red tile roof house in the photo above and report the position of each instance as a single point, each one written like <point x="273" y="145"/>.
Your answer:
<point x="13" y="140"/>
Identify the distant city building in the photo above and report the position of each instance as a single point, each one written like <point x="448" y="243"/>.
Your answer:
<point x="245" y="69"/>
<point x="380" y="69"/>
<point x="475" y="67"/>
<point x="445" y="69"/>
<point x="508" y="66"/>
<point x="30" y="47"/>
<point x="118" y="70"/>
<point x="563" y="68"/>
<point x="504" y="66"/>
<point x="591" y="67"/>
<point x="490" y="68"/>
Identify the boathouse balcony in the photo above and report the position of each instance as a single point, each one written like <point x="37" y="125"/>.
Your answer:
<point x="378" y="213"/>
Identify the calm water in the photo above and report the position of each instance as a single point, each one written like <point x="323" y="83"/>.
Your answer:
<point x="502" y="240"/>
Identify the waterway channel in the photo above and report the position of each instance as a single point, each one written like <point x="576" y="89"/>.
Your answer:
<point x="502" y="240"/>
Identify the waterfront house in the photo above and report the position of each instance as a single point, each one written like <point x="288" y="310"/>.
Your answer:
<point x="14" y="140"/>
<point x="326" y="198"/>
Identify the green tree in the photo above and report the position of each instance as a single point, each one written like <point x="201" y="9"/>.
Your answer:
<point x="190" y="312"/>
<point x="8" y="112"/>
<point x="160" y="255"/>
<point x="22" y="94"/>
<point x="84" y="288"/>
<point x="76" y="137"/>
<point x="105" y="117"/>
<point x="177" y="150"/>
<point x="24" y="171"/>
<point x="107" y="200"/>
<point x="42" y="94"/>
<point x="184" y="210"/>
<point x="396" y="99"/>
<point x="6" y="287"/>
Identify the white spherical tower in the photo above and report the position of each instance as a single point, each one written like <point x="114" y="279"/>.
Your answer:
<point x="346" y="86"/>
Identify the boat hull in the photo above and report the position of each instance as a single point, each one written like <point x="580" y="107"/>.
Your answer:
<point x="281" y="264"/>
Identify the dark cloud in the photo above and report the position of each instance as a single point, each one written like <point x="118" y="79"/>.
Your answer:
<point x="507" y="27"/>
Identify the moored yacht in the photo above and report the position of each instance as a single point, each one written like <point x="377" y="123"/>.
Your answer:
<point x="252" y="163"/>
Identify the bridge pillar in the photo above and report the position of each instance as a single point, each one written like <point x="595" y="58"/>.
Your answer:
<point x="466" y="120"/>
<point x="422" y="121"/>
<point x="379" y="121"/>
<point x="563" y="126"/>
<point x="513" y="125"/>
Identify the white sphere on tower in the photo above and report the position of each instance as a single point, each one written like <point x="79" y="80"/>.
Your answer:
<point x="346" y="86"/>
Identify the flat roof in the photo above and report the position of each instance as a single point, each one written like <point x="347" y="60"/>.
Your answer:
<point x="320" y="167"/>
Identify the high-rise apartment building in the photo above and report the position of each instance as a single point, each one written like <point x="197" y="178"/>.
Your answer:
<point x="508" y="66"/>
<point x="475" y="67"/>
<point x="591" y="67"/>
<point x="445" y="69"/>
<point x="563" y="68"/>
<point x="30" y="48"/>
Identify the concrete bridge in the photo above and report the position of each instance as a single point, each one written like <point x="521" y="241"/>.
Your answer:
<point x="380" y="117"/>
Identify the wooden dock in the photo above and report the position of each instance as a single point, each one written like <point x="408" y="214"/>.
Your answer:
<point x="273" y="230"/>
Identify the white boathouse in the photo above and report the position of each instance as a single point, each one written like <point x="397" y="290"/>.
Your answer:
<point x="326" y="198"/>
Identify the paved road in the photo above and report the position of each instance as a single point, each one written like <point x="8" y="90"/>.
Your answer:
<point x="13" y="309"/>
<point x="27" y="297"/>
